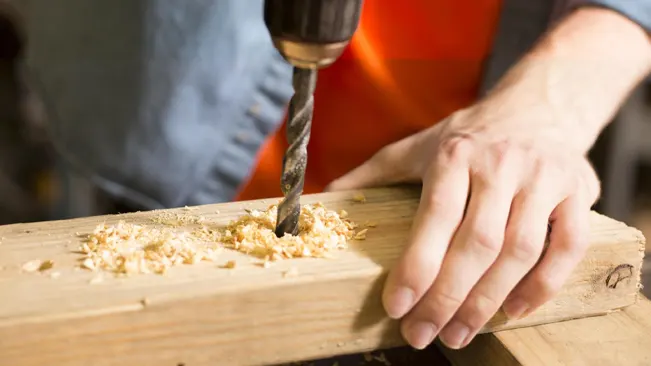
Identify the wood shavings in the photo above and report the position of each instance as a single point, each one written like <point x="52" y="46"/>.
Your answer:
<point x="230" y="265"/>
<point x="382" y="359"/>
<point x="134" y="249"/>
<point x="37" y="265"/>
<point x="359" y="198"/>
<point x="32" y="266"/>
<point x="361" y="235"/>
<point x="126" y="248"/>
<point x="88" y="263"/>
<point x="48" y="264"/>
<point x="370" y="224"/>
<point x="321" y="232"/>
<point x="176" y="219"/>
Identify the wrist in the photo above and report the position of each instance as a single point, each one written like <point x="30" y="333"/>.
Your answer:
<point x="576" y="78"/>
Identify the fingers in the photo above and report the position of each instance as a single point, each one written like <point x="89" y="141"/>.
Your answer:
<point x="439" y="213"/>
<point x="473" y="250"/>
<point x="568" y="243"/>
<point x="524" y="241"/>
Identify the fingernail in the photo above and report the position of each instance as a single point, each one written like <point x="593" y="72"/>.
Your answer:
<point x="454" y="334"/>
<point x="400" y="302"/>
<point x="421" y="334"/>
<point x="514" y="309"/>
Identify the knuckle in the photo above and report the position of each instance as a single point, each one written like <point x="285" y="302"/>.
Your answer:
<point x="443" y="301"/>
<point x="486" y="240"/>
<point x="437" y="307"/>
<point x="478" y="309"/>
<point x="524" y="249"/>
<point x="454" y="149"/>
<point x="502" y="161"/>
<point x="501" y="153"/>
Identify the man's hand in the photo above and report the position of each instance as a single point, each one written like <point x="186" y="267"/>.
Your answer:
<point x="496" y="174"/>
<point x="462" y="263"/>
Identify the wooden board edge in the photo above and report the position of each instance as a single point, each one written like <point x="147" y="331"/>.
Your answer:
<point x="499" y="349"/>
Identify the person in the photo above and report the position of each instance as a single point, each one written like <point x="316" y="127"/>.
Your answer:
<point x="487" y="104"/>
<point x="401" y="107"/>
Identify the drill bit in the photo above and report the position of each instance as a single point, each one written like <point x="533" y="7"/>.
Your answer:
<point x="299" y="123"/>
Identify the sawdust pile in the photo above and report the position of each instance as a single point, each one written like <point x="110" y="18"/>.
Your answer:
<point x="321" y="232"/>
<point x="127" y="248"/>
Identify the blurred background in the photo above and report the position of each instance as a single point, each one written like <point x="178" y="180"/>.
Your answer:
<point x="33" y="188"/>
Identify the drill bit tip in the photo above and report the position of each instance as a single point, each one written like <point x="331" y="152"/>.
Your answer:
<point x="299" y="123"/>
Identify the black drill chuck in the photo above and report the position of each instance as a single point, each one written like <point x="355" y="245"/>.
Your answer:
<point x="312" y="33"/>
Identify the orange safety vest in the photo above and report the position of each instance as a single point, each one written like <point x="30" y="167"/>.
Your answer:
<point x="409" y="65"/>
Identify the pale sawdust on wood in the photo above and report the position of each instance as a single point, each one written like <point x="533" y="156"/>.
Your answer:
<point x="184" y="239"/>
<point x="321" y="233"/>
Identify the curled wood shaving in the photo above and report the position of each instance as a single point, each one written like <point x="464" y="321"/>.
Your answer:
<point x="361" y="235"/>
<point x="230" y="264"/>
<point x="359" y="197"/>
<point x="48" y="264"/>
<point x="37" y="265"/>
<point x="32" y="266"/>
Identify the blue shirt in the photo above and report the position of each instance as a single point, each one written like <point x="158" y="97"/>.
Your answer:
<point x="164" y="103"/>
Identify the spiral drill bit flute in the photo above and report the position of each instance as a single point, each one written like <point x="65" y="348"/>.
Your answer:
<point x="301" y="107"/>
<point x="310" y="34"/>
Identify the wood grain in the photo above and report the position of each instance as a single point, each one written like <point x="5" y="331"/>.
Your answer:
<point x="619" y="338"/>
<point x="205" y="315"/>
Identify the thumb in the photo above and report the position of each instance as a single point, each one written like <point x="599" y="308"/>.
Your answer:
<point x="370" y="173"/>
<point x="395" y="163"/>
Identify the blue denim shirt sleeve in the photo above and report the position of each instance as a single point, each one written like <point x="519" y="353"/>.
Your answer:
<point x="163" y="103"/>
<point x="639" y="11"/>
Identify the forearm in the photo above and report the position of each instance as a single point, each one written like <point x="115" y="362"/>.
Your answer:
<point x="580" y="72"/>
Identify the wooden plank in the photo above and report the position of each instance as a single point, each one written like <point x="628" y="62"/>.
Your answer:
<point x="205" y="315"/>
<point x="619" y="338"/>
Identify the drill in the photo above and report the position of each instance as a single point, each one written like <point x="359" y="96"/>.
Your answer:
<point x="310" y="35"/>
